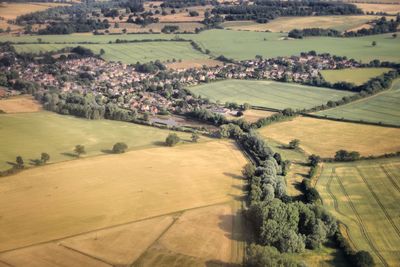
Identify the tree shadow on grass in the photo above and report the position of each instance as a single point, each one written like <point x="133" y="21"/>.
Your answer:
<point x="234" y="176"/>
<point x="159" y="143"/>
<point x="12" y="163"/>
<point x="69" y="154"/>
<point x="218" y="263"/>
<point x="35" y="162"/>
<point x="107" y="151"/>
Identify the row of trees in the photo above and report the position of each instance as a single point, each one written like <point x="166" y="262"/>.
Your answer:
<point x="265" y="10"/>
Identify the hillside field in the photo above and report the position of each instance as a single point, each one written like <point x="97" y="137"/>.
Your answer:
<point x="268" y="94"/>
<point x="364" y="195"/>
<point x="29" y="134"/>
<point x="242" y="45"/>
<point x="383" y="107"/>
<point x="358" y="76"/>
<point x="19" y="104"/>
<point x="325" y="137"/>
<point x="286" y="24"/>
<point x="128" y="53"/>
<point x="96" y="206"/>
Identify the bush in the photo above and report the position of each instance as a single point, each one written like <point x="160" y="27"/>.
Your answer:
<point x="119" y="148"/>
<point x="172" y="139"/>
<point x="294" y="144"/>
<point x="363" y="259"/>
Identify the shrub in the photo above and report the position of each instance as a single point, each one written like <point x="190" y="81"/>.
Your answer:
<point x="119" y="148"/>
<point x="172" y="139"/>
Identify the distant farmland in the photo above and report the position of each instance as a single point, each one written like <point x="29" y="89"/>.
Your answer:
<point x="364" y="196"/>
<point x="246" y="45"/>
<point x="357" y="76"/>
<point x="268" y="94"/>
<point x="325" y="137"/>
<point x="29" y="134"/>
<point x="127" y="53"/>
<point x="286" y="24"/>
<point x="384" y="107"/>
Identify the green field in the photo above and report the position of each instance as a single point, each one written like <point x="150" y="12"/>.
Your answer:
<point x="246" y="45"/>
<point x="357" y="76"/>
<point x="29" y="134"/>
<point x="384" y="107"/>
<point x="268" y="94"/>
<point x="127" y="53"/>
<point x="364" y="196"/>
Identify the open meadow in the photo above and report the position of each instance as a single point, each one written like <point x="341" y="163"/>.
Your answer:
<point x="358" y="76"/>
<point x="95" y="207"/>
<point x="29" y="134"/>
<point x="286" y="24"/>
<point x="383" y="107"/>
<point x="325" y="137"/>
<point x="268" y="94"/>
<point x="364" y="196"/>
<point x="128" y="53"/>
<point x="242" y="45"/>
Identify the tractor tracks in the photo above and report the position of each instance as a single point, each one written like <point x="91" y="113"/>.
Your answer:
<point x="360" y="221"/>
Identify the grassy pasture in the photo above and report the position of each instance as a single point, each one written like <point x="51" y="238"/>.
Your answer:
<point x="19" y="104"/>
<point x="29" y="134"/>
<point x="286" y="24"/>
<point x="325" y="137"/>
<point x="383" y="107"/>
<point x="246" y="45"/>
<point x="70" y="198"/>
<point x="267" y="93"/>
<point x="357" y="76"/>
<point x="364" y="195"/>
<point x="127" y="53"/>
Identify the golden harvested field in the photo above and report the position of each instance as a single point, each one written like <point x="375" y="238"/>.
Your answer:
<point x="20" y="104"/>
<point x="286" y="24"/>
<point x="388" y="8"/>
<point x="194" y="63"/>
<point x="11" y="11"/>
<point x="93" y="205"/>
<point x="325" y="137"/>
<point x="182" y="15"/>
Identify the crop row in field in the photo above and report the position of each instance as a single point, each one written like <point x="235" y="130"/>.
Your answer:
<point x="384" y="107"/>
<point x="29" y="134"/>
<point x="268" y="94"/>
<point x="358" y="76"/>
<point x="129" y="52"/>
<point x="246" y="45"/>
<point x="364" y="196"/>
<point x="325" y="137"/>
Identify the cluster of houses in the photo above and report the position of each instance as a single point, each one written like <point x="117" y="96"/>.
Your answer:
<point x="162" y="91"/>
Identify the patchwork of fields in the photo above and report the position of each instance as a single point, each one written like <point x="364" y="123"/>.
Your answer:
<point x="364" y="196"/>
<point x="357" y="76"/>
<point x="129" y="53"/>
<point x="98" y="211"/>
<point x="29" y="134"/>
<point x="242" y="45"/>
<point x="384" y="107"/>
<point x="325" y="137"/>
<point x="268" y="94"/>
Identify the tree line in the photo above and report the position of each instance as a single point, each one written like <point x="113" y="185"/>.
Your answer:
<point x="265" y="10"/>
